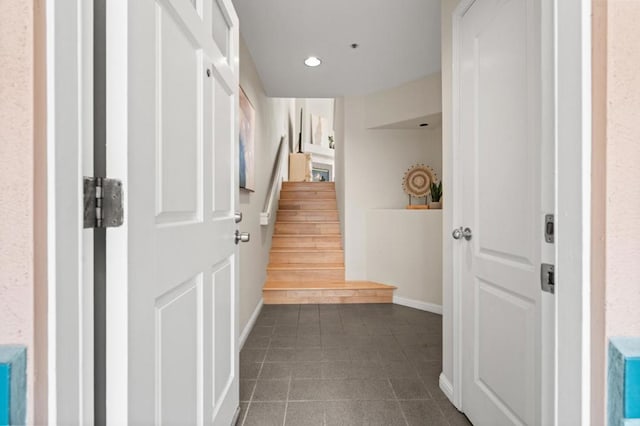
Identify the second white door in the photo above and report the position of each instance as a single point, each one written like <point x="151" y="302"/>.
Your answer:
<point x="500" y="143"/>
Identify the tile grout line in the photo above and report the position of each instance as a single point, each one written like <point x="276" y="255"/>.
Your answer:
<point x="286" y="405"/>
<point x="424" y="384"/>
<point x="395" y="396"/>
<point x="257" y="378"/>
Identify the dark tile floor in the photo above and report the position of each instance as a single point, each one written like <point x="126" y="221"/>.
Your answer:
<point x="344" y="365"/>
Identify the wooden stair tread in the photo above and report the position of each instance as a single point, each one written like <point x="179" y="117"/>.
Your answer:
<point x="328" y="210"/>
<point x="309" y="213"/>
<point x="325" y="285"/>
<point x="325" y="210"/>
<point x="308" y="186"/>
<point x="312" y="201"/>
<point x="306" y="250"/>
<point x="307" y="195"/>
<point x="303" y="266"/>
<point x="306" y="235"/>
<point x="310" y="222"/>
<point x="300" y="189"/>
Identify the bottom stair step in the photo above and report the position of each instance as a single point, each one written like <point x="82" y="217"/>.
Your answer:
<point x="317" y="292"/>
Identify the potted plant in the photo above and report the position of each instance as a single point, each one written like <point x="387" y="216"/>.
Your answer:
<point x="436" y="195"/>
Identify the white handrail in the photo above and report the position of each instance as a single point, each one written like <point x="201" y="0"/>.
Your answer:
<point x="274" y="185"/>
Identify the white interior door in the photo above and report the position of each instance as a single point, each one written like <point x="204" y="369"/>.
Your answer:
<point x="501" y="157"/>
<point x="172" y="317"/>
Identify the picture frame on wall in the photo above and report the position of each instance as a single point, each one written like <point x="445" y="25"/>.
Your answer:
<point x="246" y="141"/>
<point x="320" y="175"/>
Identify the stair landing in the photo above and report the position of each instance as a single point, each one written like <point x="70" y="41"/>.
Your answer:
<point x="318" y="292"/>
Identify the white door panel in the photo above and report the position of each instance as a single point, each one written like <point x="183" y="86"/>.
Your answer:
<point x="172" y="267"/>
<point x="500" y="141"/>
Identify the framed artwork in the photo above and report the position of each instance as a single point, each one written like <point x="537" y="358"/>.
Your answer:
<point x="319" y="130"/>
<point x="320" y="175"/>
<point x="247" y="143"/>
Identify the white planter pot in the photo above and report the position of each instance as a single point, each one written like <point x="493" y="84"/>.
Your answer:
<point x="434" y="205"/>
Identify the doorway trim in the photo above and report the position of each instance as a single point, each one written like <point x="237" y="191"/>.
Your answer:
<point x="572" y="93"/>
<point x="69" y="141"/>
<point x="573" y="215"/>
<point x="456" y="186"/>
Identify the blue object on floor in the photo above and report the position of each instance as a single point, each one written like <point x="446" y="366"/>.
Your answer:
<point x="13" y="385"/>
<point x="623" y="379"/>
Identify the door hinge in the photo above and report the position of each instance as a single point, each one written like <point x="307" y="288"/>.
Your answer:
<point x="548" y="278"/>
<point x="549" y="230"/>
<point x="102" y="202"/>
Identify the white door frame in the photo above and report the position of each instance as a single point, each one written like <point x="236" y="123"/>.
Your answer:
<point x="69" y="92"/>
<point x="573" y="211"/>
<point x="572" y="41"/>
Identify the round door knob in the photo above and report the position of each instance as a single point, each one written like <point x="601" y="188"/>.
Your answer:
<point x="457" y="233"/>
<point x="466" y="233"/>
<point x="461" y="232"/>
<point x="242" y="237"/>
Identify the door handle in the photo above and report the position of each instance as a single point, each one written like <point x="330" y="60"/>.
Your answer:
<point x="242" y="237"/>
<point x="461" y="232"/>
<point x="238" y="217"/>
<point x="457" y="233"/>
<point x="466" y="233"/>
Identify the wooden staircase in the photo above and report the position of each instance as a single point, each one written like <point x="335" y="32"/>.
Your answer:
<point x="306" y="264"/>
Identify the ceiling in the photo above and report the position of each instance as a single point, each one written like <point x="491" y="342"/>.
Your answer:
<point x="399" y="41"/>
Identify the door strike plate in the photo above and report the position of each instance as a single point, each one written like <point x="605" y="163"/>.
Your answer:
<point x="547" y="278"/>
<point x="549" y="230"/>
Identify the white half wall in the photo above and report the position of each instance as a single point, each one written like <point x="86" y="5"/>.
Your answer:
<point x="274" y="118"/>
<point x="404" y="248"/>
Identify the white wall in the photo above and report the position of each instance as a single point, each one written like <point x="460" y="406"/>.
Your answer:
<point x="274" y="118"/>
<point x="411" y="100"/>
<point x="447" y="8"/>
<point x="339" y="170"/>
<point x="323" y="107"/>
<point x="407" y="254"/>
<point x="370" y="167"/>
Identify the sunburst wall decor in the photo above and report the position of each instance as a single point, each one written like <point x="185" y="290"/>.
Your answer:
<point x="417" y="180"/>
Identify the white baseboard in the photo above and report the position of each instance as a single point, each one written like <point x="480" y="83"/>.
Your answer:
<point x="250" y="323"/>
<point x="446" y="387"/>
<point x="416" y="304"/>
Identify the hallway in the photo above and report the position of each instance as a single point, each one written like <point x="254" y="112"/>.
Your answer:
<point x="362" y="364"/>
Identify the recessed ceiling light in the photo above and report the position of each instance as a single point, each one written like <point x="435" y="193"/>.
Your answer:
<point x="424" y="124"/>
<point x="312" y="61"/>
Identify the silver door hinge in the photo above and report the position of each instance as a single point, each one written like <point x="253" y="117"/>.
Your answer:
<point x="548" y="278"/>
<point x="102" y="202"/>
